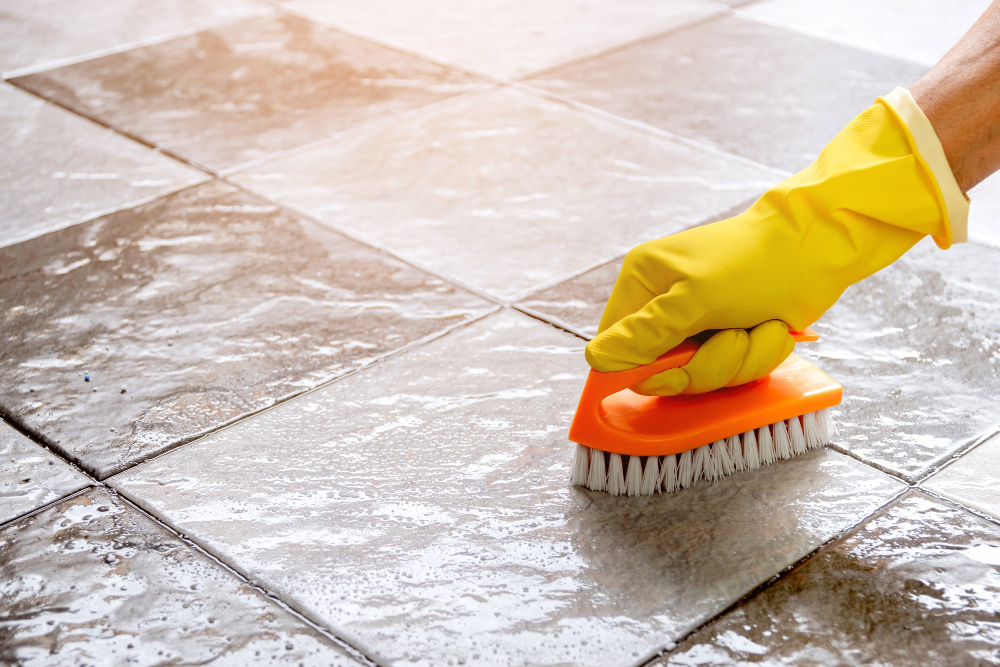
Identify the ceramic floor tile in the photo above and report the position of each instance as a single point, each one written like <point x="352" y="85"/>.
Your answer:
<point x="421" y="508"/>
<point x="190" y="311"/>
<point x="917" y="350"/>
<point x="984" y="213"/>
<point x="45" y="33"/>
<point x="917" y="30"/>
<point x="973" y="480"/>
<point x="765" y="93"/>
<point x="226" y="96"/>
<point x="31" y="476"/>
<point x="56" y="168"/>
<point x="507" y="191"/>
<point x="92" y="581"/>
<point x="918" y="584"/>
<point x="577" y="304"/>
<point x="507" y="38"/>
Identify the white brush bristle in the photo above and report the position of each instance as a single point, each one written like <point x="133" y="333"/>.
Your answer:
<point x="581" y="465"/>
<point x="633" y="477"/>
<point x="796" y="437"/>
<point x="616" y="475"/>
<point x="782" y="447"/>
<point x="765" y="446"/>
<point x="650" y="476"/>
<point x="736" y="452"/>
<point x="751" y="454"/>
<point x="646" y="476"/>
<point x="668" y="473"/>
<point x="597" y="478"/>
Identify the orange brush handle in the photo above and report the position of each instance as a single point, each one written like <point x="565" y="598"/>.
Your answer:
<point x="605" y="384"/>
<point x="613" y="420"/>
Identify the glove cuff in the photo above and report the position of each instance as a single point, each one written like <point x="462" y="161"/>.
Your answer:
<point x="927" y="147"/>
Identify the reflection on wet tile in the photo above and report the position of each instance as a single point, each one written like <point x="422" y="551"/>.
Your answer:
<point x="424" y="511"/>
<point x="917" y="30"/>
<point x="517" y="38"/>
<point x="57" y="169"/>
<point x="761" y="92"/>
<point x="507" y="191"/>
<point x="31" y="476"/>
<point x="230" y="95"/>
<point x="45" y="33"/>
<point x="918" y="584"/>
<point x="92" y="581"/>
<point x="917" y="350"/>
<point x="974" y="480"/>
<point x="142" y="329"/>
<point x="577" y="304"/>
<point x="984" y="213"/>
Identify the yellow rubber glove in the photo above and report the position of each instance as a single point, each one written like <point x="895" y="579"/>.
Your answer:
<point x="880" y="186"/>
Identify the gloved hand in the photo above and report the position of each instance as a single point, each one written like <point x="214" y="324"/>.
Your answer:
<point x="880" y="186"/>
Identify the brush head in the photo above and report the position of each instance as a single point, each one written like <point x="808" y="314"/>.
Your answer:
<point x="709" y="435"/>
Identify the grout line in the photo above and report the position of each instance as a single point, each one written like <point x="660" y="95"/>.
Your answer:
<point x="957" y="505"/>
<point x="901" y="477"/>
<point x="370" y="242"/>
<point x="648" y="660"/>
<point x="4" y="525"/>
<point x="937" y="466"/>
<point x="39" y="68"/>
<point x="345" y="646"/>
<point x="7" y="243"/>
<point x="410" y="114"/>
<point x="653" y="130"/>
<point x="387" y="43"/>
<point x="208" y="433"/>
<point x="720" y="11"/>
<point x="740" y="13"/>
<point x="552" y="321"/>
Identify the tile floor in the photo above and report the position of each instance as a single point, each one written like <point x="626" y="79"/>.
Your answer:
<point x="293" y="300"/>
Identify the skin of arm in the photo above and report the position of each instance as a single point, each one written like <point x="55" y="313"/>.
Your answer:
<point x="961" y="98"/>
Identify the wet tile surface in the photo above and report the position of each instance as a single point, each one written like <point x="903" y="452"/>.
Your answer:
<point x="230" y="95"/>
<point x="918" y="30"/>
<point x="488" y="190"/>
<point x="31" y="476"/>
<point x="202" y="306"/>
<point x="917" y="350"/>
<point x="917" y="584"/>
<point x="915" y="347"/>
<point x="44" y="33"/>
<point x="424" y="513"/>
<point x="57" y="168"/>
<point x="92" y="581"/>
<point x="577" y="304"/>
<point x="984" y="213"/>
<point x="761" y="92"/>
<point x="518" y="38"/>
<point x="973" y="480"/>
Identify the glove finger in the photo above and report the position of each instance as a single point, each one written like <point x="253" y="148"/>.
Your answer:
<point x="638" y="339"/>
<point x="716" y="361"/>
<point x="769" y="345"/>
<point x="667" y="383"/>
<point x="642" y="278"/>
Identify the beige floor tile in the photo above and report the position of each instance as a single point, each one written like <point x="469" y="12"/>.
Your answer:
<point x="507" y="38"/>
<point x="917" y="584"/>
<point x="31" y="476"/>
<point x="41" y="34"/>
<point x="422" y="509"/>
<point x="507" y="191"/>
<point x="57" y="169"/>
<point x="973" y="480"/>
<point x="92" y="581"/>
<point x="917" y="30"/>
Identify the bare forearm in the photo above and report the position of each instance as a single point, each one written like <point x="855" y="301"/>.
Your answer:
<point x="961" y="98"/>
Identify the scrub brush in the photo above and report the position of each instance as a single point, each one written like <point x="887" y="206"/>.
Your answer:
<point x="635" y="445"/>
